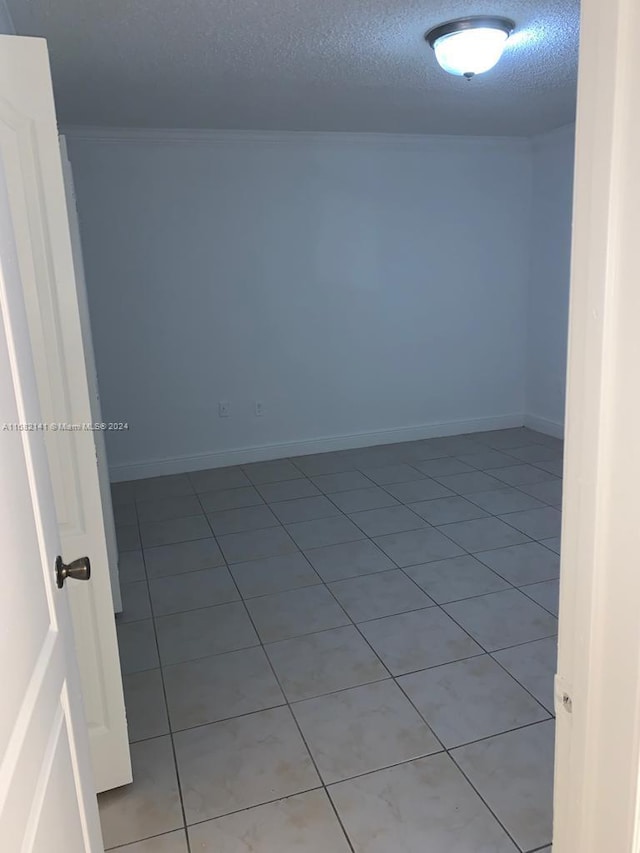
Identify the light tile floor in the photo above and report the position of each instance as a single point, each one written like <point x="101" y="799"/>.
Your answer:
<point x="350" y="651"/>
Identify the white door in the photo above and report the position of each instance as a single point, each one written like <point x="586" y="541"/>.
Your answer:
<point x="31" y="156"/>
<point x="47" y="804"/>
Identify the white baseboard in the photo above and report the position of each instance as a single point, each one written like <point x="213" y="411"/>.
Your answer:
<point x="544" y="425"/>
<point x="244" y="455"/>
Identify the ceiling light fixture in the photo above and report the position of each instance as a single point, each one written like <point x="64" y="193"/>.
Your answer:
<point x="470" y="46"/>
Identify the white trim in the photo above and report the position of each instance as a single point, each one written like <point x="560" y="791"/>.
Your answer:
<point x="597" y="791"/>
<point x="544" y="425"/>
<point x="262" y="453"/>
<point x="155" y="135"/>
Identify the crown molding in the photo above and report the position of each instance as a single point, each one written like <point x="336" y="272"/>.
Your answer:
<point x="309" y="139"/>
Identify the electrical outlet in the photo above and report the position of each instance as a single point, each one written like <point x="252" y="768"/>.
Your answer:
<point x="223" y="409"/>
<point x="259" y="408"/>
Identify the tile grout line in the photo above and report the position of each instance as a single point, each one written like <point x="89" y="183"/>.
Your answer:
<point x="421" y="716"/>
<point x="486" y="804"/>
<point x="320" y="582"/>
<point x="392" y="678"/>
<point x="388" y="677"/>
<point x="326" y="630"/>
<point x="288" y="703"/>
<point x="292" y="715"/>
<point x="539" y="704"/>
<point x="477" y="437"/>
<point x="368" y="538"/>
<point x="407" y="505"/>
<point x="445" y="750"/>
<point x="166" y="706"/>
<point x="523" y="589"/>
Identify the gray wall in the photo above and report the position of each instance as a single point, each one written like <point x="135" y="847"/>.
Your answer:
<point x="353" y="286"/>
<point x="6" y="23"/>
<point x="553" y="156"/>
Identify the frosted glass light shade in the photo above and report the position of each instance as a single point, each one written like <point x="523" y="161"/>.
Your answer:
<point x="470" y="51"/>
<point x="470" y="46"/>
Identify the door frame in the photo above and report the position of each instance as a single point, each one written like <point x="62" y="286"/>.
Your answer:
<point x="597" y="795"/>
<point x="92" y="376"/>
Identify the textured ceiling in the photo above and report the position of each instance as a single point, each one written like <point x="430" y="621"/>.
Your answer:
<point x="347" y="65"/>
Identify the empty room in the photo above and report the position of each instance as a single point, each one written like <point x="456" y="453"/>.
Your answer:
<point x="308" y="386"/>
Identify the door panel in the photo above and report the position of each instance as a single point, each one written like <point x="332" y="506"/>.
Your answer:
<point x="49" y="833"/>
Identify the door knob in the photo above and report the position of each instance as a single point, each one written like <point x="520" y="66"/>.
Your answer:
<point x="79" y="570"/>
